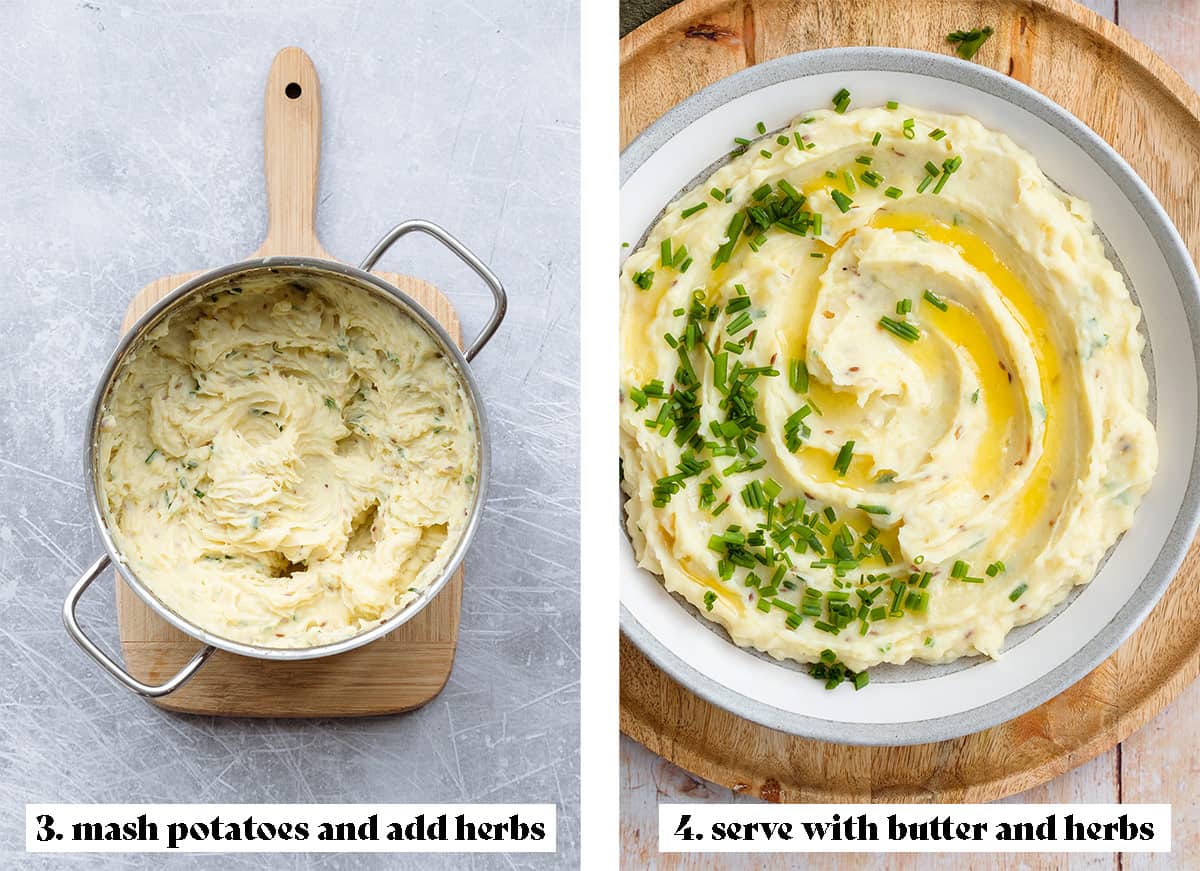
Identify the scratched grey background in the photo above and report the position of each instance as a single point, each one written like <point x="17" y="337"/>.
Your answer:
<point x="130" y="147"/>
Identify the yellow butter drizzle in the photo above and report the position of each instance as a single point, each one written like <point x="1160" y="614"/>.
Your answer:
<point x="979" y="254"/>
<point x="962" y="329"/>
<point x="725" y="593"/>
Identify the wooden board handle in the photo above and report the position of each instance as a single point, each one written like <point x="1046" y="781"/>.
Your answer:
<point x="291" y="155"/>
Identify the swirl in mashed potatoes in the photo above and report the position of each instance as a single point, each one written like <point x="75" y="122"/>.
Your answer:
<point x="287" y="463"/>
<point x="882" y="392"/>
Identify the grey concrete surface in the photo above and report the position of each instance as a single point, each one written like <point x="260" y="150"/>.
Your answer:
<point x="635" y="13"/>
<point x="130" y="147"/>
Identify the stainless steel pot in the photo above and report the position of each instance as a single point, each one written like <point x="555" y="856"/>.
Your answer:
<point x="286" y="267"/>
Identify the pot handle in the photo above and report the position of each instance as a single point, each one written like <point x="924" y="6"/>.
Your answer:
<point x="106" y="662"/>
<point x="464" y="254"/>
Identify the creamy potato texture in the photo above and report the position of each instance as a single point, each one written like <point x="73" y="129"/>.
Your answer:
<point x="287" y="463"/>
<point x="902" y="404"/>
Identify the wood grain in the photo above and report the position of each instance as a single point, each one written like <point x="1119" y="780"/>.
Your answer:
<point x="647" y="780"/>
<point x="1142" y="108"/>
<point x="1171" y="27"/>
<point x="399" y="672"/>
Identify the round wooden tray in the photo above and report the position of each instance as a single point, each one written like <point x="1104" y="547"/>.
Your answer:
<point x="1143" y="109"/>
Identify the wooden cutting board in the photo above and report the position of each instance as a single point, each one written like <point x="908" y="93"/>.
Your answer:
<point x="1144" y="110"/>
<point x="399" y="672"/>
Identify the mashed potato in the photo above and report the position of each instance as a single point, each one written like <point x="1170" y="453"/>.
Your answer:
<point x="882" y="392"/>
<point x="287" y="463"/>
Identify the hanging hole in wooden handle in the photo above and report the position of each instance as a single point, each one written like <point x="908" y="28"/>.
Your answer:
<point x="293" y="91"/>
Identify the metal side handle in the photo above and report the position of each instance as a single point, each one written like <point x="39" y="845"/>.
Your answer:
<point x="466" y="256"/>
<point x="107" y="662"/>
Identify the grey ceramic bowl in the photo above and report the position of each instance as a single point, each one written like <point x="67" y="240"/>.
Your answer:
<point x="915" y="704"/>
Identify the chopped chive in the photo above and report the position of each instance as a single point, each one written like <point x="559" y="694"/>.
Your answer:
<point x="968" y="42"/>
<point x="740" y="140"/>
<point x="761" y="192"/>
<point x="892" y="104"/>
<point x="798" y="375"/>
<point x="790" y="191"/>
<point x="1018" y="592"/>
<point x="909" y="128"/>
<point x="894" y="193"/>
<point x="864" y="159"/>
<point x="733" y="232"/>
<point x="925" y="183"/>
<point x="709" y="598"/>
<point x="851" y="187"/>
<point x="934" y="300"/>
<point x="738" y="324"/>
<point x="903" y="306"/>
<point x="720" y="368"/>
<point x="901" y="329"/>
<point x="761" y="128"/>
<point x="644" y="278"/>
<point x="842" y="463"/>
<point x="861" y="679"/>
<point x="995" y="568"/>
<point x="665" y="252"/>
<point x="765" y="153"/>
<point x="875" y="139"/>
<point x="937" y="133"/>
<point x="817" y="254"/>
<point x="959" y="570"/>
<point x="739" y="302"/>
<point x="874" y="509"/>
<point x="150" y="456"/>
<point x="717" y="194"/>
<point x="841" y="100"/>
<point x="699" y="207"/>
<point x="842" y="201"/>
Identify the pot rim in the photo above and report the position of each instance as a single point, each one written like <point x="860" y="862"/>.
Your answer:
<point x="369" y="283"/>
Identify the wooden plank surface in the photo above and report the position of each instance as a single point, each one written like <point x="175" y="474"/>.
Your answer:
<point x="409" y="666"/>
<point x="1157" y="763"/>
